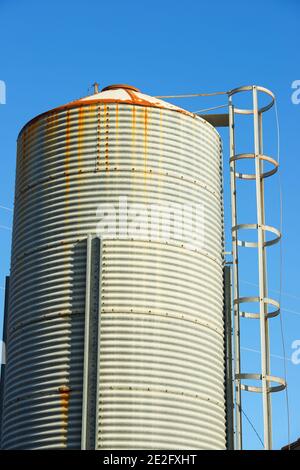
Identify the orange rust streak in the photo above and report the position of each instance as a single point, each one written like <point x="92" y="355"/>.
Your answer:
<point x="106" y="117"/>
<point x="133" y="96"/>
<point x="99" y="139"/>
<point x="160" y="146"/>
<point x="80" y="135"/>
<point x="78" y="103"/>
<point x="133" y="134"/>
<point x="81" y="112"/>
<point x="64" y="392"/>
<point x="67" y="158"/>
<point x="117" y="133"/>
<point x="133" y="118"/>
<point x="145" y="140"/>
<point x="117" y="118"/>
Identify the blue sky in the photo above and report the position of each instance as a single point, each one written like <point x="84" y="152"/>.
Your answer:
<point x="52" y="51"/>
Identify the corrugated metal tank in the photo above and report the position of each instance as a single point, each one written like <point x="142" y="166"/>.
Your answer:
<point x="161" y="369"/>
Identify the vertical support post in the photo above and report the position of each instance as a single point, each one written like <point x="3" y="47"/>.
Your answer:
<point x="235" y="268"/>
<point x="228" y="355"/>
<point x="97" y="348"/>
<point x="260" y="122"/>
<point x="264" y="334"/>
<point x="90" y="396"/>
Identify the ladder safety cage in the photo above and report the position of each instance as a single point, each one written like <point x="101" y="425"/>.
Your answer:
<point x="262" y="299"/>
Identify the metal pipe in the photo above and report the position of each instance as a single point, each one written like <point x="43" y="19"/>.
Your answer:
<point x="98" y="320"/>
<point x="260" y="122"/>
<point x="86" y="343"/>
<point x="228" y="349"/>
<point x="90" y="399"/>
<point x="264" y="337"/>
<point x="235" y="268"/>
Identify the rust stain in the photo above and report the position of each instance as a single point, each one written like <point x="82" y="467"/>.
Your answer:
<point x="133" y="96"/>
<point x="80" y="136"/>
<point x="145" y="118"/>
<point x="161" y="142"/>
<point x="81" y="117"/>
<point x="133" y="136"/>
<point x="106" y="126"/>
<point x="67" y="157"/>
<point x="137" y="102"/>
<point x="98" y="139"/>
<point x="64" y="392"/>
<point x="133" y="149"/>
<point x="117" y="135"/>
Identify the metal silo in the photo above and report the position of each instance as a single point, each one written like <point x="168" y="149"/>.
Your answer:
<point x="116" y="342"/>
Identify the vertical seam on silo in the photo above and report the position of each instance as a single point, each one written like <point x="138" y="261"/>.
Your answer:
<point x="98" y="155"/>
<point x="67" y="160"/>
<point x="106" y="126"/>
<point x="133" y="149"/>
<point x="117" y="137"/>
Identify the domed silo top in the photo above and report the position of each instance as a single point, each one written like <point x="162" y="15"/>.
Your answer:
<point x="120" y="93"/>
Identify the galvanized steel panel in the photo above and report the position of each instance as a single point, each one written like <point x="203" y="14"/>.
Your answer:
<point x="161" y="366"/>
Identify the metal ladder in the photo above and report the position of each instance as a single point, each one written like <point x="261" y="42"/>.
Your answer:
<point x="269" y="383"/>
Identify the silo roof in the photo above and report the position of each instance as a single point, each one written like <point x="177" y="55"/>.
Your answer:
<point x="119" y="93"/>
<point x="128" y="94"/>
